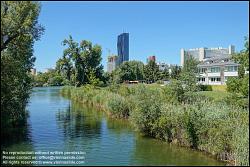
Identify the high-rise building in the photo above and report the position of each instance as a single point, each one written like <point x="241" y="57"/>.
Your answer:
<point x="123" y="47"/>
<point x="112" y="63"/>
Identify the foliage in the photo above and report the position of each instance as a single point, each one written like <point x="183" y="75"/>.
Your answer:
<point x="189" y="119"/>
<point x="174" y="91"/>
<point x="151" y="72"/>
<point x="86" y="58"/>
<point x="50" y="78"/>
<point x="19" y="19"/>
<point x="19" y="31"/>
<point x="128" y="71"/>
<point x="240" y="84"/>
<point x="164" y="75"/>
<point x="175" y="72"/>
<point x="189" y="74"/>
<point x="205" y="87"/>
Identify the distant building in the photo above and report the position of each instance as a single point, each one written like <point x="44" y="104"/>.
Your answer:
<point x="216" y="71"/>
<point x="151" y="58"/>
<point x="112" y="63"/>
<point x="216" y="64"/>
<point x="48" y="69"/>
<point x="205" y="53"/>
<point x="33" y="71"/>
<point x="163" y="66"/>
<point x="123" y="47"/>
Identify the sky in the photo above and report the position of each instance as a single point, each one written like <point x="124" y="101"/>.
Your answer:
<point x="155" y="28"/>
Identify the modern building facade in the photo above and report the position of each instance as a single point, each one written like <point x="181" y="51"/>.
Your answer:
<point x="216" y="64"/>
<point x="123" y="47"/>
<point x="205" y="53"/>
<point x="112" y="63"/>
<point x="216" y="71"/>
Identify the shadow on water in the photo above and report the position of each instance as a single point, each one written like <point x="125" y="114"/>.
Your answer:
<point x="16" y="139"/>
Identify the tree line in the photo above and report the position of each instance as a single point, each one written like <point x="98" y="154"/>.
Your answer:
<point x="80" y="64"/>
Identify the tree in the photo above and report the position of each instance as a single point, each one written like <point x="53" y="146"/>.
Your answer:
<point x="19" y="31"/>
<point x="64" y="67"/>
<point x="189" y="74"/>
<point x="243" y="57"/>
<point x="240" y="84"/>
<point x="175" y="72"/>
<point x="19" y="18"/>
<point x="86" y="58"/>
<point x="128" y="71"/>
<point x="151" y="72"/>
<point x="164" y="75"/>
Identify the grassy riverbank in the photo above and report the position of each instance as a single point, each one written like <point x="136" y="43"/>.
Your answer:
<point x="187" y="119"/>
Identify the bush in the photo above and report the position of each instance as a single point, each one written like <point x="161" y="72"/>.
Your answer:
<point x="244" y="89"/>
<point x="235" y="99"/>
<point x="233" y="84"/>
<point x="174" y="91"/>
<point x="205" y="87"/>
<point x="117" y="106"/>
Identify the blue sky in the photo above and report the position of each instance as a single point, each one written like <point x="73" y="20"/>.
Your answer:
<point x="156" y="28"/>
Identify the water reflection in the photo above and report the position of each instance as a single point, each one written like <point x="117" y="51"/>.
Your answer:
<point x="76" y="124"/>
<point x="13" y="136"/>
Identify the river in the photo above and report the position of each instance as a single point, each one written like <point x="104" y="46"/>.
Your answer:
<point x="58" y="124"/>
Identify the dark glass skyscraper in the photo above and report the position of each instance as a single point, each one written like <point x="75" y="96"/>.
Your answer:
<point x="123" y="47"/>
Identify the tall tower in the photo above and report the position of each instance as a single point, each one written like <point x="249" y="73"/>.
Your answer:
<point x="123" y="47"/>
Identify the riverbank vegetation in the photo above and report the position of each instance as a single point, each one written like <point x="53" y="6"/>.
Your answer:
<point x="206" y="118"/>
<point x="170" y="114"/>
<point x="19" y="31"/>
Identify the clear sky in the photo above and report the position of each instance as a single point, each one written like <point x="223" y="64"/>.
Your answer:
<point x="155" y="28"/>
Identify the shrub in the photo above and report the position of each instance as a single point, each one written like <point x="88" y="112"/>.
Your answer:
<point x="174" y="91"/>
<point x="205" y="87"/>
<point x="117" y="106"/>
<point x="233" y="84"/>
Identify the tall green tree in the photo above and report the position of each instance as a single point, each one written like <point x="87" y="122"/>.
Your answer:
<point x="19" y="31"/>
<point x="240" y="84"/>
<point x="128" y="71"/>
<point x="189" y="74"/>
<point x="164" y="75"/>
<point x="86" y="58"/>
<point x="175" y="72"/>
<point x="18" y="19"/>
<point x="64" y="67"/>
<point x="151" y="72"/>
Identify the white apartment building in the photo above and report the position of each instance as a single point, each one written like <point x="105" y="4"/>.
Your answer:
<point x="215" y="66"/>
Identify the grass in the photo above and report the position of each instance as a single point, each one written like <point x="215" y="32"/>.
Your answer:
<point x="215" y="95"/>
<point x="220" y="88"/>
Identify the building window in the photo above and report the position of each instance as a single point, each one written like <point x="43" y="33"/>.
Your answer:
<point x="201" y="79"/>
<point x="215" y="79"/>
<point x="231" y="68"/>
<point x="202" y="70"/>
<point x="214" y="69"/>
